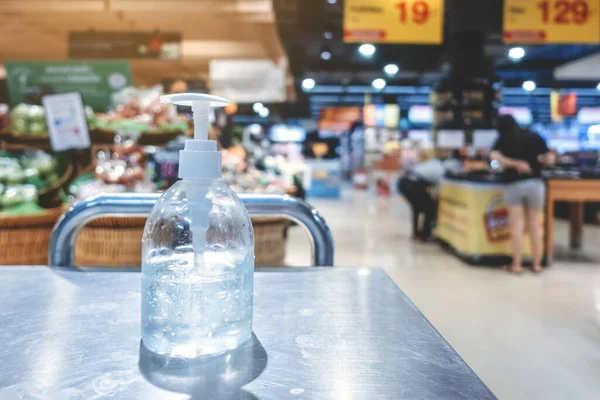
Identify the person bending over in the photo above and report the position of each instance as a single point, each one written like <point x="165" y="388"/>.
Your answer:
<point x="521" y="154"/>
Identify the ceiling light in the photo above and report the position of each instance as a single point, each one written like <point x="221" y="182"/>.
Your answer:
<point x="308" y="84"/>
<point x="391" y="69"/>
<point x="328" y="35"/>
<point x="257" y="107"/>
<point x="326" y="55"/>
<point x="379" y="83"/>
<point x="529" y="86"/>
<point x="516" y="53"/>
<point x="367" y="49"/>
<point x="264" y="112"/>
<point x="332" y="1"/>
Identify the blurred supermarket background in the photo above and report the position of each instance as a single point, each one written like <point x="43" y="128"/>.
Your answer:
<point x="332" y="101"/>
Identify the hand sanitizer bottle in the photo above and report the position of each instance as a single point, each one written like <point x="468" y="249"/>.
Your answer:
<point x="197" y="253"/>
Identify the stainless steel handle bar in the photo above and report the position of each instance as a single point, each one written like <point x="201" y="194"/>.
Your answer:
<point x="64" y="234"/>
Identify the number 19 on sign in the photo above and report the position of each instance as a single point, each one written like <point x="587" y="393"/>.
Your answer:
<point x="418" y="13"/>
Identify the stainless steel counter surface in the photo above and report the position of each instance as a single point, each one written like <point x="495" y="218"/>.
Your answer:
<point x="320" y="333"/>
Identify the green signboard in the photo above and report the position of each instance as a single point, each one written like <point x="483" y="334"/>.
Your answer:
<point x="96" y="81"/>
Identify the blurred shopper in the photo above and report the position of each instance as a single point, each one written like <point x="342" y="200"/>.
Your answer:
<point x="419" y="186"/>
<point x="521" y="154"/>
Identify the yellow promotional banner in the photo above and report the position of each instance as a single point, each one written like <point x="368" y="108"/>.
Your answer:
<point x="551" y="21"/>
<point x="394" y="21"/>
<point x="473" y="219"/>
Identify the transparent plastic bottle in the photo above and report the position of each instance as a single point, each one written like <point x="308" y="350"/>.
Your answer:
<point x="197" y="303"/>
<point x="197" y="253"/>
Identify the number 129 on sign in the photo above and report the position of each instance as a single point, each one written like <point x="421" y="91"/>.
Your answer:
<point x="552" y="21"/>
<point x="564" y="12"/>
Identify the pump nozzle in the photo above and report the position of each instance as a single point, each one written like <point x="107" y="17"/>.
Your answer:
<point x="200" y="158"/>
<point x="199" y="163"/>
<point x="201" y="104"/>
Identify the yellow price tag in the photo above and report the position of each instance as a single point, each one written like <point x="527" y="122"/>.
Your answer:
<point x="394" y="21"/>
<point x="551" y="21"/>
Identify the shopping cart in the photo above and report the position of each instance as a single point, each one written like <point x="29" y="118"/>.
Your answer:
<point x="64" y="235"/>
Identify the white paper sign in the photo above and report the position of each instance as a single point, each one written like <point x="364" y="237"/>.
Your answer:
<point x="484" y="139"/>
<point x="248" y="81"/>
<point x="67" y="126"/>
<point x="450" y="139"/>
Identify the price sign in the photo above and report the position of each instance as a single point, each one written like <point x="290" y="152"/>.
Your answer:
<point x="394" y="21"/>
<point x="552" y="21"/>
<point x="67" y="126"/>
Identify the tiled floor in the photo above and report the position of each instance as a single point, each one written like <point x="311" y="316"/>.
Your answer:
<point x="527" y="337"/>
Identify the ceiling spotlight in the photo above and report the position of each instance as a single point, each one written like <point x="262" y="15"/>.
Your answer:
<point x="308" y="84"/>
<point x="328" y="35"/>
<point x="367" y="50"/>
<point x="332" y="1"/>
<point x="264" y="112"/>
<point x="391" y="69"/>
<point x="257" y="107"/>
<point x="529" y="86"/>
<point x="516" y="53"/>
<point x="326" y="55"/>
<point x="379" y="84"/>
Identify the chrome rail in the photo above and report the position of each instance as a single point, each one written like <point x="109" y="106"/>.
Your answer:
<point x="64" y="234"/>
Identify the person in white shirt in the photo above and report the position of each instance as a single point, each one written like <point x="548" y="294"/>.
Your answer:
<point x="417" y="186"/>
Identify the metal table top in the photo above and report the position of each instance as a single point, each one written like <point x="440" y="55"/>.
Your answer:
<point x="340" y="333"/>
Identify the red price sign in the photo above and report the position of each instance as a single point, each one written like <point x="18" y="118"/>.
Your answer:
<point x="418" y="12"/>
<point x="394" y="21"/>
<point x="552" y="21"/>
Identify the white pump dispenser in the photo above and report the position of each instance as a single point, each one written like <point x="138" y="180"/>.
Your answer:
<point x="200" y="159"/>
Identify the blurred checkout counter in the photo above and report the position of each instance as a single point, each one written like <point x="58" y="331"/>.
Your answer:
<point x="473" y="219"/>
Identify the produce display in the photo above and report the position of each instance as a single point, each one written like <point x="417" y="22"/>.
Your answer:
<point x="22" y="178"/>
<point x="135" y="111"/>
<point x="118" y="171"/>
<point x="140" y="111"/>
<point x="244" y="177"/>
<point x="30" y="120"/>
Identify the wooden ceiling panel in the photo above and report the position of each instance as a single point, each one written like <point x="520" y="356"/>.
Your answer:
<point x="210" y="29"/>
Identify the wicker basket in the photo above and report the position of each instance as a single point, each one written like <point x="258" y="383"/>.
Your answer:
<point x="110" y="242"/>
<point x="117" y="242"/>
<point x="270" y="236"/>
<point x="24" y="240"/>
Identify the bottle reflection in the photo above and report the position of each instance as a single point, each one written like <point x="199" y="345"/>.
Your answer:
<point x="214" y="377"/>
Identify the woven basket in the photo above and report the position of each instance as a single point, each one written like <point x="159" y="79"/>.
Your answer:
<point x="110" y="242"/>
<point x="117" y="242"/>
<point x="24" y="240"/>
<point x="269" y="241"/>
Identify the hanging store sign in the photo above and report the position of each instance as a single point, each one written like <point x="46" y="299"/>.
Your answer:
<point x="394" y="21"/>
<point x="96" y="81"/>
<point x="120" y="45"/>
<point x="248" y="81"/>
<point x="551" y="21"/>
